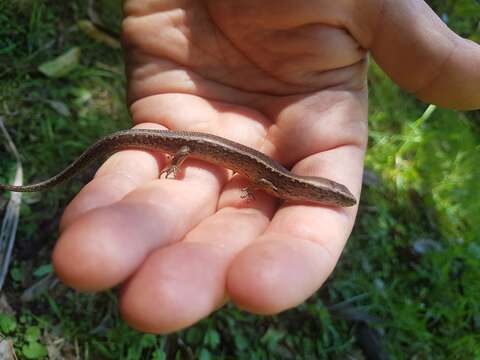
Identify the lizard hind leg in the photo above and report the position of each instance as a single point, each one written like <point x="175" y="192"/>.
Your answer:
<point x="248" y="192"/>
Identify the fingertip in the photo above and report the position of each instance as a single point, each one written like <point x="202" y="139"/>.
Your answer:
<point x="101" y="249"/>
<point x="79" y="262"/>
<point x="273" y="275"/>
<point x="155" y="311"/>
<point x="175" y="287"/>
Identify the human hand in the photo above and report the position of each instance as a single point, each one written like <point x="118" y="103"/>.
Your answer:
<point x="287" y="78"/>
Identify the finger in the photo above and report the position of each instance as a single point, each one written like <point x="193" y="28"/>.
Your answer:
<point x="425" y="57"/>
<point x="106" y="245"/>
<point x="180" y="284"/>
<point x="300" y="248"/>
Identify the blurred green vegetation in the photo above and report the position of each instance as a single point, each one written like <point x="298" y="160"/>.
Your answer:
<point x="406" y="286"/>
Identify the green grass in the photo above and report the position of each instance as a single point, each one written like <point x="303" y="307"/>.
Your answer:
<point x="407" y="281"/>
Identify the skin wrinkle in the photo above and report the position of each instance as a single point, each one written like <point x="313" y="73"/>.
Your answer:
<point x="312" y="157"/>
<point x="347" y="98"/>
<point x="118" y="179"/>
<point x="378" y="23"/>
<point x="212" y="186"/>
<point x="305" y="158"/>
<point x="312" y="235"/>
<point x="129" y="24"/>
<point x="331" y="98"/>
<point x="222" y="218"/>
<point x="277" y="10"/>
<point x="318" y="33"/>
<point x="216" y="32"/>
<point x="312" y="241"/>
<point x="347" y="141"/>
<point x="186" y="183"/>
<point x="124" y="175"/>
<point x="266" y="143"/>
<point x="220" y="57"/>
<point x="258" y="66"/>
<point x="167" y="217"/>
<point x="342" y="84"/>
<point x="247" y="93"/>
<point x="148" y="7"/>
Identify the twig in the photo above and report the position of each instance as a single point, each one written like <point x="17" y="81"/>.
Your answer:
<point x="8" y="229"/>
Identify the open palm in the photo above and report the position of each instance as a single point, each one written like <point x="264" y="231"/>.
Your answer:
<point x="285" y="77"/>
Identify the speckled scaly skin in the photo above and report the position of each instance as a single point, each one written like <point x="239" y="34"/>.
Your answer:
<point x="265" y="173"/>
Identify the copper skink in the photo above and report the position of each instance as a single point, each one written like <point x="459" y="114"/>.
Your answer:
<point x="265" y="173"/>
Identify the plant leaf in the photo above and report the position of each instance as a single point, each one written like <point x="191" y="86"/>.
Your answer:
<point x="61" y="65"/>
